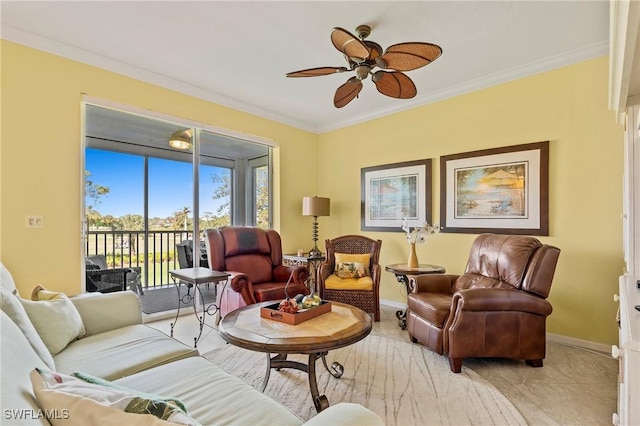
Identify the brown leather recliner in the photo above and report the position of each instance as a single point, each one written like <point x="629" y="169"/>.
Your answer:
<point x="253" y="257"/>
<point x="497" y="308"/>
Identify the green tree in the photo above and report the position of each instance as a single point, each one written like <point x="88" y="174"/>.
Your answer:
<point x="93" y="193"/>
<point x="222" y="192"/>
<point x="262" y="197"/>
<point x="182" y="219"/>
<point x="131" y="222"/>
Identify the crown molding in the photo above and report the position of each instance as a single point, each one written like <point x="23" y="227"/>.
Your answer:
<point x="61" y="49"/>
<point x="48" y="45"/>
<point x="578" y="55"/>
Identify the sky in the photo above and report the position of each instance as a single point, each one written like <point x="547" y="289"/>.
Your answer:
<point x="170" y="184"/>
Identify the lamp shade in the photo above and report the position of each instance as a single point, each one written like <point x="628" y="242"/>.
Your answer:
<point x="316" y="206"/>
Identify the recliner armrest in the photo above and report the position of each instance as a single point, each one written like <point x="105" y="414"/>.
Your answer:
<point x="500" y="299"/>
<point x="240" y="283"/>
<point x="432" y="283"/>
<point x="281" y="273"/>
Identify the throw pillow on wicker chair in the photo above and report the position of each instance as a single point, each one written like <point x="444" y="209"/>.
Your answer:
<point x="351" y="270"/>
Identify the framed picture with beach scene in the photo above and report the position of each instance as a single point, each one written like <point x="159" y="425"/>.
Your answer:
<point x="395" y="191"/>
<point x="501" y="190"/>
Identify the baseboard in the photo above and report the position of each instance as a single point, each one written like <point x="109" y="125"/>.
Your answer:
<point x="393" y="304"/>
<point x="557" y="338"/>
<point x="579" y="343"/>
<point x="157" y="316"/>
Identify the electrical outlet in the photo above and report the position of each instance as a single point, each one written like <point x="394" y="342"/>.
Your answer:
<point x="34" y="222"/>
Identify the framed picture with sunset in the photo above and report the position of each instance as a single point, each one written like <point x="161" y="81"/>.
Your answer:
<point x="501" y="190"/>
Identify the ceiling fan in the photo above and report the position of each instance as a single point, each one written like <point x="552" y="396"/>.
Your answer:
<point x="364" y="55"/>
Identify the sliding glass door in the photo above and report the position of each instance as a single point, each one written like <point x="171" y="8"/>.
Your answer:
<point x="143" y="194"/>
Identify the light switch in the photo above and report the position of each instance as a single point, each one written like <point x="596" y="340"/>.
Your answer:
<point x="34" y="222"/>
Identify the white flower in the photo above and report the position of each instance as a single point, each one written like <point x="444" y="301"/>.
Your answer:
<point x="418" y="234"/>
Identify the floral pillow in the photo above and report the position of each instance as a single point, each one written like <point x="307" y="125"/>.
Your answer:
<point x="351" y="270"/>
<point x="80" y="402"/>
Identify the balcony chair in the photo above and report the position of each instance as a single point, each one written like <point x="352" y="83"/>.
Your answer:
<point x="343" y="280"/>
<point x="104" y="280"/>
<point x="497" y="308"/>
<point x="253" y="257"/>
<point x="185" y="255"/>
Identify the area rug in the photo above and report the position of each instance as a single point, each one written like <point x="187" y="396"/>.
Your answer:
<point x="404" y="384"/>
<point x="166" y="298"/>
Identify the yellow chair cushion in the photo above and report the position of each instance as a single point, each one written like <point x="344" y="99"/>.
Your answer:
<point x="365" y="259"/>
<point x="334" y="282"/>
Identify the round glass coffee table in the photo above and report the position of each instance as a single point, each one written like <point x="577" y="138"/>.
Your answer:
<point x="344" y="325"/>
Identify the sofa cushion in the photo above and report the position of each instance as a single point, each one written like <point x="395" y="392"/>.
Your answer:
<point x="10" y="304"/>
<point x="121" y="352"/>
<point x="212" y="396"/>
<point x="6" y="279"/>
<point x="78" y="402"/>
<point x="57" y="321"/>
<point x="102" y="382"/>
<point x="18" y="359"/>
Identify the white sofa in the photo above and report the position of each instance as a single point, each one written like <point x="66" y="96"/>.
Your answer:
<point x="119" y="348"/>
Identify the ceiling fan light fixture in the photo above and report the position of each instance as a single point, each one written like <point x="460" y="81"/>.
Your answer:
<point x="362" y="71"/>
<point x="181" y="140"/>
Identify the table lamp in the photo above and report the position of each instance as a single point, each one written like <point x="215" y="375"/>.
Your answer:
<point x="315" y="206"/>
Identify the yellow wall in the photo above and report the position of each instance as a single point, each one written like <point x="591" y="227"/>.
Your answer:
<point x="41" y="159"/>
<point x="568" y="107"/>
<point x="41" y="154"/>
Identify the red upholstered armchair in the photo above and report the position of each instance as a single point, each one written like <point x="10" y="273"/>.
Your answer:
<point x="497" y="308"/>
<point x="253" y="257"/>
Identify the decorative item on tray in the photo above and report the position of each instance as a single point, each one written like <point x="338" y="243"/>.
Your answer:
<point x="273" y="312"/>
<point x="297" y="309"/>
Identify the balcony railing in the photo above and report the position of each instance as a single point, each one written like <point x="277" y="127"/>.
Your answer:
<point x="127" y="249"/>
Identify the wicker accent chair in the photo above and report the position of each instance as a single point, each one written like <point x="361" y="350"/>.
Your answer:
<point x="362" y="292"/>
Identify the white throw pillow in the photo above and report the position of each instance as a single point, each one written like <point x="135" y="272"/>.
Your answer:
<point x="6" y="280"/>
<point x="57" y="321"/>
<point x="10" y="305"/>
<point x="76" y="402"/>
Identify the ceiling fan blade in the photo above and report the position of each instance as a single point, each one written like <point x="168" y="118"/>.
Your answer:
<point x="409" y="56"/>
<point x="347" y="92"/>
<point x="316" y="72"/>
<point x="349" y="44"/>
<point x="394" y="84"/>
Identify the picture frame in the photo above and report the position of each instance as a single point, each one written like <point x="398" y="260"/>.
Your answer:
<point x="501" y="190"/>
<point x="394" y="191"/>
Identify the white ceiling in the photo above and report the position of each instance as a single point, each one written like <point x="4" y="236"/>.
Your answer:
<point x="236" y="53"/>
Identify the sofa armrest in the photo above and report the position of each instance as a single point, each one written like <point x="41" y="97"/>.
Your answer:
<point x="345" y="414"/>
<point x="104" y="312"/>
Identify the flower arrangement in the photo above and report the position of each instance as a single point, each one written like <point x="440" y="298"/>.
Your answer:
<point x="418" y="234"/>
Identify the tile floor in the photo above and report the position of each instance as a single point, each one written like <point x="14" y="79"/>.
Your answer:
<point x="575" y="386"/>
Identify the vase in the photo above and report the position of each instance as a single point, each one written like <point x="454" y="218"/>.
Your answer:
<point x="413" y="258"/>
